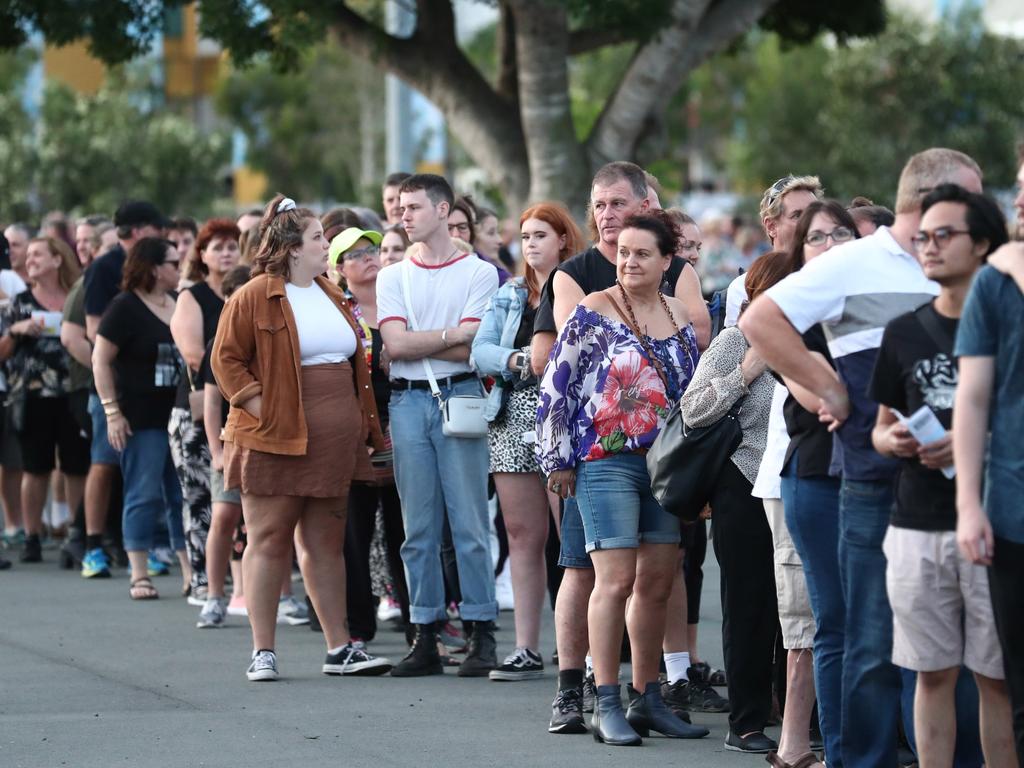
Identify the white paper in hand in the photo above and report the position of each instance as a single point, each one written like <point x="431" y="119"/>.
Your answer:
<point x="926" y="428"/>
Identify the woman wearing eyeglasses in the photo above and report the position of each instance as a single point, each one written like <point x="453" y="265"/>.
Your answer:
<point x="807" y="539"/>
<point x="356" y="255"/>
<point x="462" y="225"/>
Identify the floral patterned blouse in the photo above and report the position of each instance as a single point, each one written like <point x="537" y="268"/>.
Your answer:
<point x="601" y="395"/>
<point x="39" y="364"/>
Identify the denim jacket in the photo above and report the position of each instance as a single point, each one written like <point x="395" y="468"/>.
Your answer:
<point x="492" y="345"/>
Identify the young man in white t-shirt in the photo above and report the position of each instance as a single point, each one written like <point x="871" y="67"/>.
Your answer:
<point x="437" y="474"/>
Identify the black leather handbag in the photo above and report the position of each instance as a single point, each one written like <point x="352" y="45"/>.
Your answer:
<point x="684" y="462"/>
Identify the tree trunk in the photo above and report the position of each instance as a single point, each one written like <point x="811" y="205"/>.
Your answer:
<point x="558" y="168"/>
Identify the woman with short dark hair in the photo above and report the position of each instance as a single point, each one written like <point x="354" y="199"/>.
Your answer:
<point x="137" y="368"/>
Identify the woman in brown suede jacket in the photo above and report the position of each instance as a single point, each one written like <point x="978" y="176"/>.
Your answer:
<point x="302" y="413"/>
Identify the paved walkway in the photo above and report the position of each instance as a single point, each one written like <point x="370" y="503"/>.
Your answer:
<point x="91" y="679"/>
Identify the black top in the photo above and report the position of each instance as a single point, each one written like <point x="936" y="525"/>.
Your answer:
<point x="379" y="379"/>
<point x="592" y="272"/>
<point x="914" y="368"/>
<point x="206" y="376"/>
<point x="806" y="432"/>
<point x="210" y="304"/>
<point x="523" y="338"/>
<point x="39" y="364"/>
<point x="147" y="366"/>
<point x="103" y="281"/>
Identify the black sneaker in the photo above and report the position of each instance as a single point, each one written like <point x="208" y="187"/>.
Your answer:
<point x="715" y="676"/>
<point x="354" y="660"/>
<point x="4" y="564"/>
<point x="589" y="693"/>
<point x="755" y="744"/>
<point x="523" y="664"/>
<point x="481" y="650"/>
<point x="567" y="712"/>
<point x="677" y="697"/>
<point x="703" y="698"/>
<point x="32" y="552"/>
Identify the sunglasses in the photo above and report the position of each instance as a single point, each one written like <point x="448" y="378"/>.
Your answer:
<point x="369" y="252"/>
<point x="839" y="235"/>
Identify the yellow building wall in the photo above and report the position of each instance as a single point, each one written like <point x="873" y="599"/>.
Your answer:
<point x="74" y="66"/>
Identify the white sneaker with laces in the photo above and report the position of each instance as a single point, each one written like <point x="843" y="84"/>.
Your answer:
<point x="291" y="611"/>
<point x="263" y="667"/>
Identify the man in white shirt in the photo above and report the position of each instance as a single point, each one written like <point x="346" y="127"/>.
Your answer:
<point x="853" y="293"/>
<point x="448" y="292"/>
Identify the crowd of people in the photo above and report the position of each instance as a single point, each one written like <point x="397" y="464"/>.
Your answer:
<point x="349" y="398"/>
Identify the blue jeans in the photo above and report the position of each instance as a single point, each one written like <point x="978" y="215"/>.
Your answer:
<point x="617" y="507"/>
<point x="434" y="473"/>
<point x="871" y="682"/>
<point x="812" y="515"/>
<point x="151" y="490"/>
<point x="100" y="451"/>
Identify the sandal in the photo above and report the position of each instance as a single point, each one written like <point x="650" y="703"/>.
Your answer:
<point x="142" y="589"/>
<point x="804" y="761"/>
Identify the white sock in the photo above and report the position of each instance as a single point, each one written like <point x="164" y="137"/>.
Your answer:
<point x="590" y="664"/>
<point x="676" y="665"/>
<point x="59" y="513"/>
<point x="339" y="649"/>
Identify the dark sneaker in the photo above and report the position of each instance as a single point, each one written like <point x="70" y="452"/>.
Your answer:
<point x="589" y="693"/>
<point x="703" y="698"/>
<point x="4" y="564"/>
<point x="263" y="667"/>
<point x="567" y="712"/>
<point x="32" y="551"/>
<point x="481" y="650"/>
<point x="354" y="660"/>
<point x="523" y="664"/>
<point x="677" y="698"/>
<point x="755" y="744"/>
<point x="423" y="659"/>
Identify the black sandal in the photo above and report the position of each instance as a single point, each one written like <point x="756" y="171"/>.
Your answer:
<point x="145" y="585"/>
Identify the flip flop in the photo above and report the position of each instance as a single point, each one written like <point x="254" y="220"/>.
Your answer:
<point x="145" y="586"/>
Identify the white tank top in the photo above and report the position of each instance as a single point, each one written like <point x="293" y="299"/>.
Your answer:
<point x="324" y="334"/>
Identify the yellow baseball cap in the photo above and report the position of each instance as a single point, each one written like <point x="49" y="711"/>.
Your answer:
<point x="349" y="237"/>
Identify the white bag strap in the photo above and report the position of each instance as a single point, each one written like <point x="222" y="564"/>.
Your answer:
<point x="411" y="316"/>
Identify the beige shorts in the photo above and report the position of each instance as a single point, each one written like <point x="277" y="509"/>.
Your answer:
<point x="941" y="609"/>
<point x="795" y="613"/>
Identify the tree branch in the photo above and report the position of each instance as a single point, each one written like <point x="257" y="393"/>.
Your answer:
<point x="698" y="30"/>
<point x="508" y="75"/>
<point x="587" y="40"/>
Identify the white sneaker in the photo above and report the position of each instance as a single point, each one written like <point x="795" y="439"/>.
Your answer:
<point x="213" y="614"/>
<point x="388" y="610"/>
<point x="263" y="666"/>
<point x="291" y="611"/>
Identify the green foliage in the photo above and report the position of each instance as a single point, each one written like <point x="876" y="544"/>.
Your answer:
<point x="303" y="126"/>
<point x="16" y="151"/>
<point x="853" y="114"/>
<point x="88" y="153"/>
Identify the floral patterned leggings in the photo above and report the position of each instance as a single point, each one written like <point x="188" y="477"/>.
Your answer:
<point x="191" y="456"/>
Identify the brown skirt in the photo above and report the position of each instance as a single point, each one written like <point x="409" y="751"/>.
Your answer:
<point x="334" y="421"/>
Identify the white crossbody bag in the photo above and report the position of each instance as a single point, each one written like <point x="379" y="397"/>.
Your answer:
<point x="461" y="415"/>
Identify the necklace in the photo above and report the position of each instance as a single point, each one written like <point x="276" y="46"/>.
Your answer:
<point x="644" y="339"/>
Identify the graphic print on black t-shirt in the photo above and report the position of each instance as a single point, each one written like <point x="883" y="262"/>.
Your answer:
<point x="913" y="370"/>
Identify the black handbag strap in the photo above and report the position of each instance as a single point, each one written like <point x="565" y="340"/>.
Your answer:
<point x="940" y="335"/>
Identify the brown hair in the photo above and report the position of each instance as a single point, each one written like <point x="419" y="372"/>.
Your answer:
<point x="832" y="208"/>
<point x="248" y="244"/>
<point x="767" y="270"/>
<point x="559" y="219"/>
<point x="69" y="269"/>
<point x="337" y="220"/>
<point x="224" y="229"/>
<point x="927" y="170"/>
<point x="146" y="254"/>
<point x="279" y="233"/>
<point x="234" y="279"/>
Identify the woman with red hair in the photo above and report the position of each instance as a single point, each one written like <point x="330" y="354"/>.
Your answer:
<point x="501" y="349"/>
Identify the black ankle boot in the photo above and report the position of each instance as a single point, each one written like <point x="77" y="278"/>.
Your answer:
<point x="648" y="712"/>
<point x="423" y="659"/>
<point x="481" y="650"/>
<point x="608" y="722"/>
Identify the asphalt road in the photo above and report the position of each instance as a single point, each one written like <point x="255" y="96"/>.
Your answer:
<point x="89" y="678"/>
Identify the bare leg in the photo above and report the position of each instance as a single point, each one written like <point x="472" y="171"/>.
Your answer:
<point x="796" y="721"/>
<point x="137" y="563"/>
<point x="33" y="497"/>
<point x="524" y="504"/>
<point x="224" y="520"/>
<point x="614" y="574"/>
<point x="571" y="617"/>
<point x="996" y="723"/>
<point x="935" y="717"/>
<point x="270" y="522"/>
<point x="554" y="503"/>
<point x="10" y="490"/>
<point x="322" y="535"/>
<point x="653" y="574"/>
<point x="97" y="497"/>
<point x="237" y="583"/>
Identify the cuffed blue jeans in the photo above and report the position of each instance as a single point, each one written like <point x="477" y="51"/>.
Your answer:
<point x="435" y="473"/>
<point x="812" y="515"/>
<point x="151" y="490"/>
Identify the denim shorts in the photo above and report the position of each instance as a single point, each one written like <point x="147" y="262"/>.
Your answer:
<point x="221" y="495"/>
<point x="101" y="451"/>
<point x="573" y="553"/>
<point x="617" y="507"/>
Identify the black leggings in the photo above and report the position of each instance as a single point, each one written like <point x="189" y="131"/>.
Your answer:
<point x="1006" y="583"/>
<point x="363" y="501"/>
<point x="750" y="614"/>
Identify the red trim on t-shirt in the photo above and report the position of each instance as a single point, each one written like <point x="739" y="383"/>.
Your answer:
<point x="469" y="320"/>
<point x="393" y="317"/>
<point x="448" y="263"/>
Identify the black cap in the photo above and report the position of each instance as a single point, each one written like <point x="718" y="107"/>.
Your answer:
<point x="139" y="213"/>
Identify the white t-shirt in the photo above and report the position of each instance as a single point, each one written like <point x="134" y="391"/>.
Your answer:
<point x="769" y="475"/>
<point x="735" y="295"/>
<point x="443" y="296"/>
<point x="11" y="283"/>
<point x="324" y="334"/>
